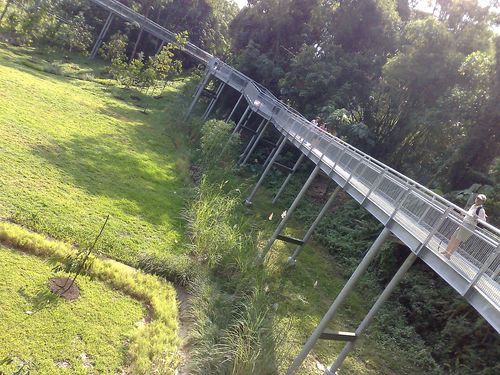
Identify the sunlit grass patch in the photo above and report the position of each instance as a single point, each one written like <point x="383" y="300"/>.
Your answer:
<point x="73" y="150"/>
<point x="47" y="334"/>
<point x="153" y="346"/>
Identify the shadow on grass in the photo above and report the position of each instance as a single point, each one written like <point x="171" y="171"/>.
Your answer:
<point x="141" y="163"/>
<point x="43" y="299"/>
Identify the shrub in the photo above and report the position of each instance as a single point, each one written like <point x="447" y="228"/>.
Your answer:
<point x="209" y="219"/>
<point x="218" y="144"/>
<point x="179" y="269"/>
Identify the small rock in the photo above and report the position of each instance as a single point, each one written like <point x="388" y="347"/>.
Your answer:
<point x="29" y="312"/>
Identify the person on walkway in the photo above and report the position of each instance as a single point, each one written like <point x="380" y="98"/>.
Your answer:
<point x="464" y="232"/>
<point x="316" y="121"/>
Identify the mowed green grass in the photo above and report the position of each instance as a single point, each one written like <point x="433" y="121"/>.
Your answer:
<point x="44" y="334"/>
<point x="73" y="151"/>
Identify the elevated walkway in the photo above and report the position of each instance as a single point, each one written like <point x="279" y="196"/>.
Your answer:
<point x="421" y="219"/>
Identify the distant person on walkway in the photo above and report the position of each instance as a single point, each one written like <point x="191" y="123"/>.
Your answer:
<point x="464" y="232"/>
<point x="316" y="121"/>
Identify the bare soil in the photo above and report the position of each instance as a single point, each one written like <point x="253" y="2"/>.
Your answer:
<point x="60" y="286"/>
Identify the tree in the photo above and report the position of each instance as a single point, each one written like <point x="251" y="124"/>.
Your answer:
<point x="5" y="9"/>
<point x="207" y="22"/>
<point x="79" y="262"/>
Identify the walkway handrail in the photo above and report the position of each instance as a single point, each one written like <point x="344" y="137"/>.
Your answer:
<point x="294" y="114"/>
<point x="158" y="30"/>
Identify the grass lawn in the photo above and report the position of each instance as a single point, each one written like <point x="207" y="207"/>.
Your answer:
<point x="48" y="335"/>
<point x="72" y="151"/>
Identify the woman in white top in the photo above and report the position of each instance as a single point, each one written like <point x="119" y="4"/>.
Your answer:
<point x="464" y="232"/>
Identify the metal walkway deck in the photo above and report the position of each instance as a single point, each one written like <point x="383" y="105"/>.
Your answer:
<point x="421" y="219"/>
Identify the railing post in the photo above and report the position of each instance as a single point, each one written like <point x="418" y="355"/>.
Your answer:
<point x="101" y="36"/>
<point x="248" y="201"/>
<point x="375" y="184"/>
<point x="360" y="270"/>
<point x="483" y="269"/>
<point x="434" y="229"/>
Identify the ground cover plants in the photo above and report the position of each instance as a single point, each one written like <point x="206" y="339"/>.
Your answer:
<point x="151" y="347"/>
<point x="74" y="150"/>
<point x="92" y="332"/>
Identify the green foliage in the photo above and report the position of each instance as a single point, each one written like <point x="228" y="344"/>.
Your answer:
<point x="206" y="20"/>
<point x="215" y="133"/>
<point x="178" y="268"/>
<point x="114" y="49"/>
<point x="140" y="72"/>
<point x="76" y="34"/>
<point x="214" y="235"/>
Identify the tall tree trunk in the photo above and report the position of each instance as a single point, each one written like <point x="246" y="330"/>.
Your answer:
<point x="7" y="5"/>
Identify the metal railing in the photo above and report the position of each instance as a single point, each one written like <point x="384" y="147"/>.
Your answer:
<point x="152" y="27"/>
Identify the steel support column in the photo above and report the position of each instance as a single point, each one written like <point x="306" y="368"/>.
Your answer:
<point x="310" y="231"/>
<point x="255" y="143"/>
<point x="360" y="270"/>
<point x="211" y="105"/>
<point x="162" y="43"/>
<point x="198" y="92"/>
<point x="101" y="36"/>
<point x="248" y="201"/>
<point x="289" y="212"/>
<point x="250" y="143"/>
<point x="242" y="118"/>
<point x="287" y="179"/>
<point x="371" y="314"/>
<point x="234" y="108"/>
<point x="266" y="162"/>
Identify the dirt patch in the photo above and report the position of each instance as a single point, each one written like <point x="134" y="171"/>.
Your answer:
<point x="86" y="360"/>
<point x="63" y="364"/>
<point x="195" y="172"/>
<point x="61" y="287"/>
<point x="183" y="299"/>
